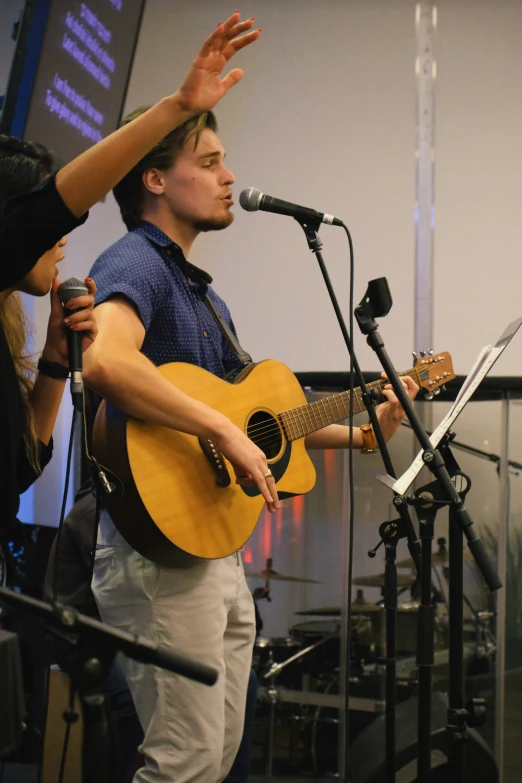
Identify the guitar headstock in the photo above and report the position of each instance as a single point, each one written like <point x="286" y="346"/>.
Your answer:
<point x="431" y="371"/>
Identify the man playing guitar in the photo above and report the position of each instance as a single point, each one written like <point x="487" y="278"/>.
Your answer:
<point x="151" y="311"/>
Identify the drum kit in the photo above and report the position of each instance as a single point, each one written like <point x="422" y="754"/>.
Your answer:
<point x="300" y="675"/>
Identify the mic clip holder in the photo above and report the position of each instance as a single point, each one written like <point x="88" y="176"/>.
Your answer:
<point x="376" y="303"/>
<point x="107" y="483"/>
<point x="310" y="227"/>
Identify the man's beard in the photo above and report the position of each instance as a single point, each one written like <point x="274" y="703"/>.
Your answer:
<point x="216" y="224"/>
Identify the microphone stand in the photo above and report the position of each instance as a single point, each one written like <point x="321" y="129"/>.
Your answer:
<point x="97" y="645"/>
<point x="390" y="532"/>
<point x="426" y="500"/>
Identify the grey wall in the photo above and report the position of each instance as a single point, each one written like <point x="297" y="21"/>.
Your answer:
<point x="478" y="234"/>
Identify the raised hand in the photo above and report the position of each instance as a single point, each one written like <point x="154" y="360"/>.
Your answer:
<point x="204" y="84"/>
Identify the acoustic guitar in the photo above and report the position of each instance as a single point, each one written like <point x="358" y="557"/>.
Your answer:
<point x="180" y="501"/>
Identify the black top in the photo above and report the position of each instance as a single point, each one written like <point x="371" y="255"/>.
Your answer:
<point x="31" y="225"/>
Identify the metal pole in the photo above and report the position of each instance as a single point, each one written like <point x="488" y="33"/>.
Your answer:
<point x="503" y="530"/>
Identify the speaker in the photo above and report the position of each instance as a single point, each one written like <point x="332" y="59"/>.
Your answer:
<point x="367" y="753"/>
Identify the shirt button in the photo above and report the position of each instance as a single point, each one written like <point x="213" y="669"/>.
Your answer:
<point x="205" y="334"/>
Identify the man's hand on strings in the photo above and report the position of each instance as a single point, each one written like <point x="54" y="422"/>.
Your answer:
<point x="391" y="413"/>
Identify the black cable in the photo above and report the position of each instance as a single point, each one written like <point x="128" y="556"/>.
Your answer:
<point x="351" y="521"/>
<point x="55" y="588"/>
<point x="64" y="504"/>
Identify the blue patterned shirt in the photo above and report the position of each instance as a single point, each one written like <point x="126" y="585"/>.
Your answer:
<point x="150" y="270"/>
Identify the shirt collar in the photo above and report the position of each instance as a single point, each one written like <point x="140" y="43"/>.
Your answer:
<point x="157" y="237"/>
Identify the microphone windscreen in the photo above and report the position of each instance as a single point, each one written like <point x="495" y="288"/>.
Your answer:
<point x="250" y="199"/>
<point x="71" y="288"/>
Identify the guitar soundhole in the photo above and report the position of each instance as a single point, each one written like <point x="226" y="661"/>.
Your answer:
<point x="264" y="430"/>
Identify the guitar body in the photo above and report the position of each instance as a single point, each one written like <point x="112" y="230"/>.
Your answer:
<point x="180" y="502"/>
<point x="173" y="510"/>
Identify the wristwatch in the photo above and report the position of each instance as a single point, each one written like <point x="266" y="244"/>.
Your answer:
<point x="369" y="441"/>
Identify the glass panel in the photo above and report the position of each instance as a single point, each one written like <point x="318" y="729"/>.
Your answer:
<point x="300" y="705"/>
<point x="478" y="428"/>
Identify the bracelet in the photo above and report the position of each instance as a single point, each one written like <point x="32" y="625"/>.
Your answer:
<point x="369" y="441"/>
<point x="53" y="369"/>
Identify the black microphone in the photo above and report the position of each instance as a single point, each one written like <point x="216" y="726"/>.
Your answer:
<point x="252" y="199"/>
<point x="67" y="291"/>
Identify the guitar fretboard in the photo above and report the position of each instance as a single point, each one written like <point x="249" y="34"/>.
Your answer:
<point x="299" y="422"/>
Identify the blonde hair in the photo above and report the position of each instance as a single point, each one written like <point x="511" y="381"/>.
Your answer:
<point x="15" y="325"/>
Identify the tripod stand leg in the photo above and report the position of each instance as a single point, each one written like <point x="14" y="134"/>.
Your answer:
<point x="390" y="582"/>
<point x="425" y="650"/>
<point x="95" y="753"/>
<point x="456" y="726"/>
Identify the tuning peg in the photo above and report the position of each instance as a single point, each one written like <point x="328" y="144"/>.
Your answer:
<point x="436" y="392"/>
<point x="422" y="353"/>
<point x="431" y="352"/>
<point x="415" y="358"/>
<point x="428" y="395"/>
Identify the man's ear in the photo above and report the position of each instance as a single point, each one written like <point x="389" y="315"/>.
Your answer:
<point x="154" y="181"/>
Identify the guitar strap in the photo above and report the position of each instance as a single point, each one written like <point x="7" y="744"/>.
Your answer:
<point x="243" y="356"/>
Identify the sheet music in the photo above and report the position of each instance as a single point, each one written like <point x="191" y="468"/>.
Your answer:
<point x="484" y="362"/>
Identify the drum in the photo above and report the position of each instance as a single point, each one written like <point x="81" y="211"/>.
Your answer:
<point x="366" y="644"/>
<point x="369" y="632"/>
<point x="325" y="657"/>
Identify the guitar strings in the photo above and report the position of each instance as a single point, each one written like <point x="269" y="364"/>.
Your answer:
<point x="266" y="433"/>
<point x="309" y="410"/>
<point x="303" y="415"/>
<point x="267" y="429"/>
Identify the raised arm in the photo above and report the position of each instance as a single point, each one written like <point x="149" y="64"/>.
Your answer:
<point x="91" y="175"/>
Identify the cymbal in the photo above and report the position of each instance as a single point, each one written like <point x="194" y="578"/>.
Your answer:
<point x="377" y="580"/>
<point x="268" y="574"/>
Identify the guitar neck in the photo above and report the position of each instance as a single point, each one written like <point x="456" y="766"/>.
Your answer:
<point x="301" y="421"/>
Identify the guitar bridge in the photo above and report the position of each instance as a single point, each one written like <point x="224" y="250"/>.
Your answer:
<point x="217" y="463"/>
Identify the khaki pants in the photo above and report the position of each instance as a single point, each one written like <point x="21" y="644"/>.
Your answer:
<point x="206" y="612"/>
